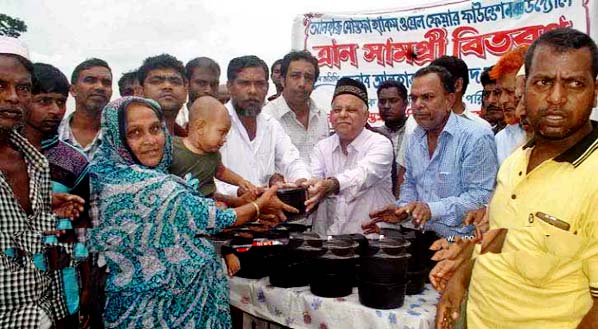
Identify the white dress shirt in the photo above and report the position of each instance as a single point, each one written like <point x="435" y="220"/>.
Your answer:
<point x="411" y="124"/>
<point x="364" y="177"/>
<point x="508" y="140"/>
<point x="303" y="139"/>
<point x="271" y="151"/>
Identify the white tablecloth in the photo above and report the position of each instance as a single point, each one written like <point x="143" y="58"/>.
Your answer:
<point x="299" y="308"/>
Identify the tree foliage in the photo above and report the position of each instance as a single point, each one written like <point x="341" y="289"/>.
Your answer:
<point x="12" y="27"/>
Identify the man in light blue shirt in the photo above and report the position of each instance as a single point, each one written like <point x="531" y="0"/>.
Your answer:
<point x="450" y="161"/>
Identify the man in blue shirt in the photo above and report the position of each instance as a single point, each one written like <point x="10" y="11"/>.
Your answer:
<point x="450" y="162"/>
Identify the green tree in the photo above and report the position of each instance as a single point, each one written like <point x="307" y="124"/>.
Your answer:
<point x="11" y="27"/>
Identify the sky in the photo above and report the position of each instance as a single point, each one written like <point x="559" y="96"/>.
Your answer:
<point x="64" y="33"/>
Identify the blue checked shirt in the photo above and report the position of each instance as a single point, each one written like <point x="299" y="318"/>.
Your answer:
<point x="459" y="176"/>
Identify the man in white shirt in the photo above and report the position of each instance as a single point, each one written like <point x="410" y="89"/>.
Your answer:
<point x="304" y="122"/>
<point x="352" y="168"/>
<point x="460" y="72"/>
<point x="256" y="146"/>
<point x="505" y="73"/>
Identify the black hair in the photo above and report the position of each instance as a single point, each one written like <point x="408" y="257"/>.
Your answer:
<point x="49" y="79"/>
<point x="87" y="64"/>
<point x="456" y="66"/>
<point x="485" y="78"/>
<point x="205" y="62"/>
<point x="299" y="55"/>
<point x="125" y="79"/>
<point x="562" y="40"/>
<point x="393" y="84"/>
<point x="239" y="63"/>
<point x="276" y="62"/>
<point x="163" y="61"/>
<point x="448" y="82"/>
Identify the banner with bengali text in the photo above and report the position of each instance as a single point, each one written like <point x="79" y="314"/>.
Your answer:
<point x="377" y="46"/>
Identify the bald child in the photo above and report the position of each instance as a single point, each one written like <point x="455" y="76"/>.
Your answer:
<point x="198" y="154"/>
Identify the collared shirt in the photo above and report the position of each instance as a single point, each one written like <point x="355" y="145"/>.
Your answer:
<point x="411" y="124"/>
<point x="545" y="276"/>
<point x="508" y="140"/>
<point x="271" y="151"/>
<point x="182" y="118"/>
<point x="364" y="177"/>
<point x="303" y="139"/>
<point x="26" y="291"/>
<point x="65" y="133"/>
<point x="459" y="176"/>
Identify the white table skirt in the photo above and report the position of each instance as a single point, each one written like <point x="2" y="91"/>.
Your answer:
<point x="299" y="308"/>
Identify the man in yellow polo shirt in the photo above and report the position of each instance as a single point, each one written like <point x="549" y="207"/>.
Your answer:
<point x="542" y="271"/>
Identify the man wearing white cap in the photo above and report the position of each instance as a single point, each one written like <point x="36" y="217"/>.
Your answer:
<point x="28" y="296"/>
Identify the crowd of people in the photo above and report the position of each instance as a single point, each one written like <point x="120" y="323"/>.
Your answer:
<point x="106" y="214"/>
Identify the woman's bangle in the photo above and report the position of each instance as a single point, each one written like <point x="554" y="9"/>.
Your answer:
<point x="257" y="209"/>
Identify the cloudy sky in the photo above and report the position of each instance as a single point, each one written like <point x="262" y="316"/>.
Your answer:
<point x="124" y="32"/>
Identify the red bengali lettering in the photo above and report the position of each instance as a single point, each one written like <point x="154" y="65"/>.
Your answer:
<point x="468" y="41"/>
<point x="332" y="55"/>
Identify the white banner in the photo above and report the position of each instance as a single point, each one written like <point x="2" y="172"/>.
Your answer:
<point x="378" y="46"/>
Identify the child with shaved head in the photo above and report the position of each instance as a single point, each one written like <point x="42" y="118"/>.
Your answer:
<point x="198" y="155"/>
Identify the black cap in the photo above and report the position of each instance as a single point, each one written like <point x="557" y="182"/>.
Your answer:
<point x="352" y="87"/>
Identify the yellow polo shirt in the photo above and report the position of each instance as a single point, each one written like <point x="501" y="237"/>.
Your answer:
<point x="545" y="276"/>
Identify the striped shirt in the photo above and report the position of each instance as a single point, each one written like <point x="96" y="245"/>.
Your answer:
<point x="459" y="176"/>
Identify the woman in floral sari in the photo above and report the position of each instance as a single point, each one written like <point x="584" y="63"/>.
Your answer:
<point x="162" y="273"/>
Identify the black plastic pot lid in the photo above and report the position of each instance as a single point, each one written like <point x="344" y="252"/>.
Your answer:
<point x="331" y="255"/>
<point x="383" y="242"/>
<point x="388" y="256"/>
<point x="341" y="248"/>
<point x="306" y="236"/>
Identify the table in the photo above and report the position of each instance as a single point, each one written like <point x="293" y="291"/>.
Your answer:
<point x="299" y="308"/>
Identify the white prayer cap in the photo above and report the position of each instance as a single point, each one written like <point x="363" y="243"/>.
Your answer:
<point x="13" y="46"/>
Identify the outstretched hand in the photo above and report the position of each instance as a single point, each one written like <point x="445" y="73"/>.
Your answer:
<point x="66" y="205"/>
<point x="270" y="204"/>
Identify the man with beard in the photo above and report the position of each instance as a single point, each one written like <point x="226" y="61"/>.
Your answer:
<point x="162" y="78"/>
<point x="276" y="79"/>
<point x="304" y="122"/>
<point x="91" y="86"/>
<point x="491" y="110"/>
<point x="256" y="146"/>
<point x="203" y="75"/>
<point x="128" y="84"/>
